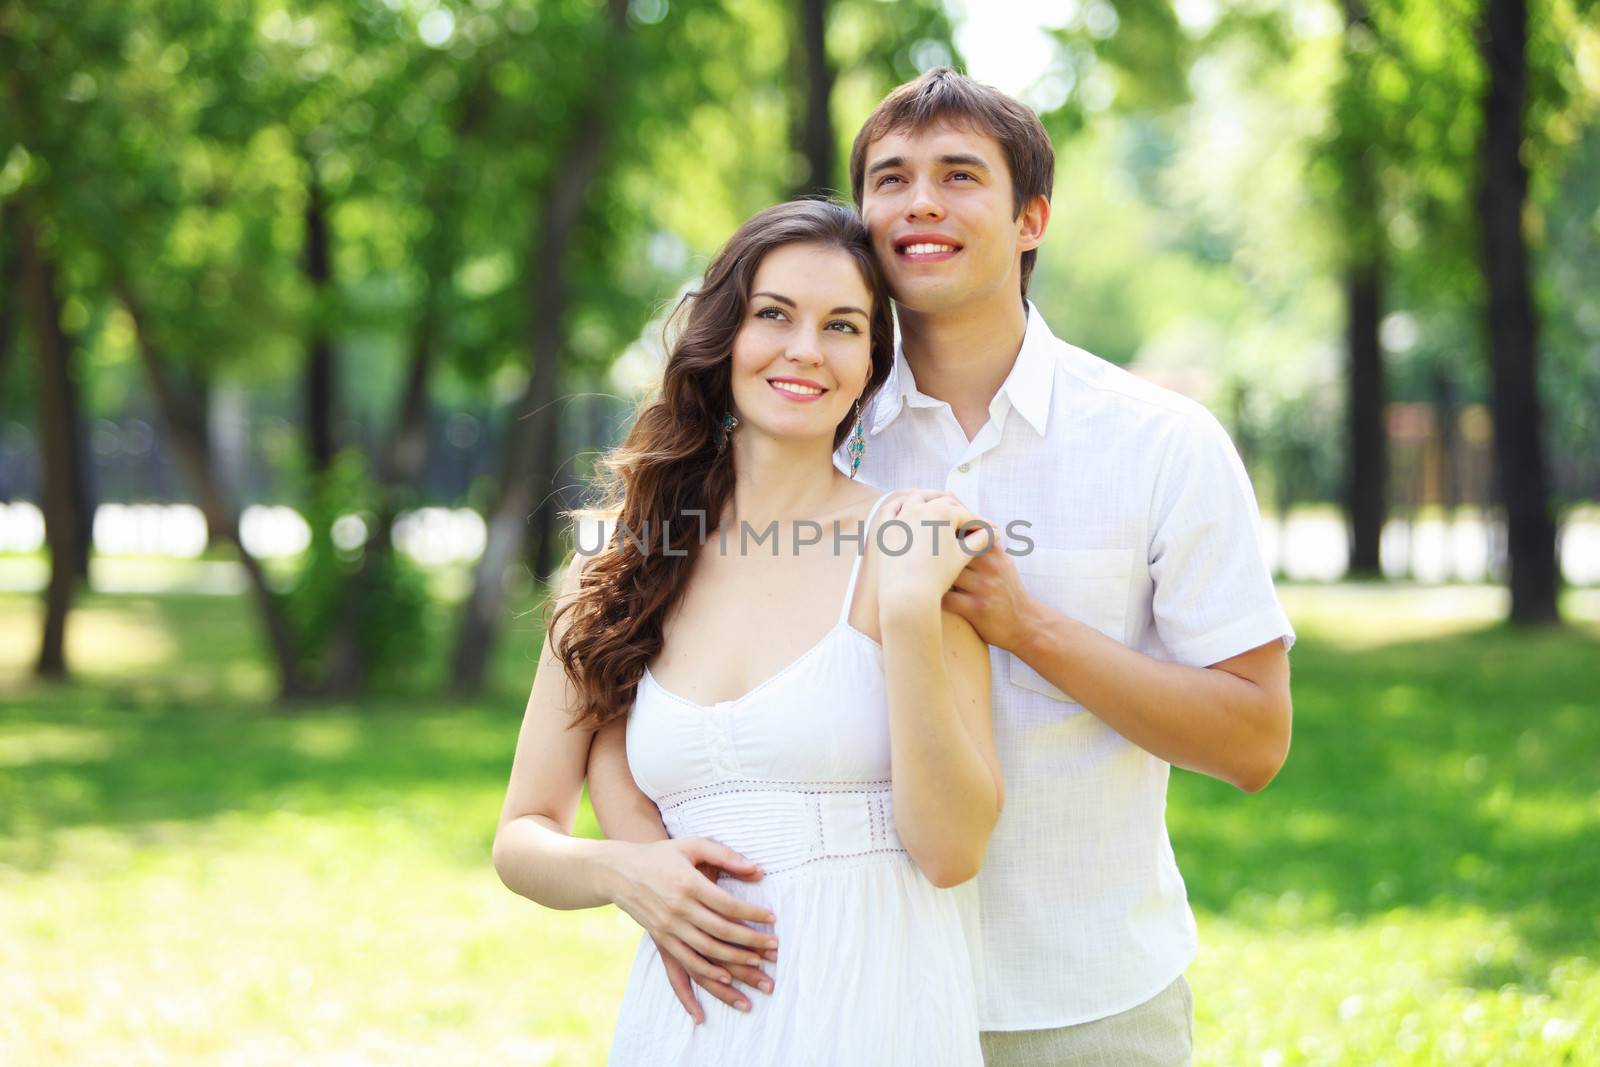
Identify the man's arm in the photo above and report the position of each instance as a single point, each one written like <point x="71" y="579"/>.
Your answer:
<point x="659" y="881"/>
<point x="625" y="813"/>
<point x="1230" y="720"/>
<point x="1226" y="717"/>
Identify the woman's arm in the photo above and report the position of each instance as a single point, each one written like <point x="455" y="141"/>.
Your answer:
<point x="534" y="852"/>
<point x="658" y="882"/>
<point x="947" y="786"/>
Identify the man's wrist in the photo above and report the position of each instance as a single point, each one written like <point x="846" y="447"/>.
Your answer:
<point x="1039" y="631"/>
<point x="1045" y="634"/>
<point x="607" y="859"/>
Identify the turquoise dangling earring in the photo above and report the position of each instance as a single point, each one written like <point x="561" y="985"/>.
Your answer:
<point x="858" y="442"/>
<point x="728" y="423"/>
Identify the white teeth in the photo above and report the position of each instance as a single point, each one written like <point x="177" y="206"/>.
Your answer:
<point x="919" y="250"/>
<point x="790" y="387"/>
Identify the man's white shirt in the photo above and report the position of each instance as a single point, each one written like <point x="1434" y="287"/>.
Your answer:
<point x="1143" y="526"/>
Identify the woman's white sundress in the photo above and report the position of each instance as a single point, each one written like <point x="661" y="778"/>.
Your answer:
<point x="873" y="965"/>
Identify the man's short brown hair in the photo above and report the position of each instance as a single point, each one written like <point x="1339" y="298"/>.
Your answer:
<point x="944" y="95"/>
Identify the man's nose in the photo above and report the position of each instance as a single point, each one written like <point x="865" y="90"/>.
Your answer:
<point x="923" y="204"/>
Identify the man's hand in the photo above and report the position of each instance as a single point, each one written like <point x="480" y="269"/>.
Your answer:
<point x="683" y="985"/>
<point x="699" y="928"/>
<point x="989" y="594"/>
<point x="679" y="978"/>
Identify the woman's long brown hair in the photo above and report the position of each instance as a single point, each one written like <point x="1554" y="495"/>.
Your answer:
<point x="669" y="466"/>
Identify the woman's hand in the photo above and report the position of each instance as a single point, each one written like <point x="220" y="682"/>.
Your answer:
<point x="669" y="888"/>
<point x="926" y="538"/>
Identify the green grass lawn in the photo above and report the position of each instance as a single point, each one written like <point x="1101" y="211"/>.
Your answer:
<point x="188" y="877"/>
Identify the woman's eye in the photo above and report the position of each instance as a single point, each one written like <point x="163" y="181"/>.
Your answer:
<point x="849" y="326"/>
<point x="769" y="313"/>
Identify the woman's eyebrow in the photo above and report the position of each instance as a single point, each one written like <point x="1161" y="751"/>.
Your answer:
<point x="842" y="310"/>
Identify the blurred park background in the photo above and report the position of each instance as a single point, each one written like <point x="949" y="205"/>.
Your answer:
<point x="315" y="315"/>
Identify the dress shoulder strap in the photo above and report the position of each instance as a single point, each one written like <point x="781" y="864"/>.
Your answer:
<point x="855" y="568"/>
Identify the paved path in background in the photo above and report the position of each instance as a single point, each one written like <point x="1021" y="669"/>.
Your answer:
<point x="1310" y="547"/>
<point x="199" y="576"/>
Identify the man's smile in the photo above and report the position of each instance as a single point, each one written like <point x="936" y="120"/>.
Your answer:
<point x="926" y="247"/>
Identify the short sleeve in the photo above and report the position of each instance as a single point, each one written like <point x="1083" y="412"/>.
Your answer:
<point x="1213" y="594"/>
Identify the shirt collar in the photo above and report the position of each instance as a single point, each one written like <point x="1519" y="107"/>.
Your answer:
<point x="1027" y="388"/>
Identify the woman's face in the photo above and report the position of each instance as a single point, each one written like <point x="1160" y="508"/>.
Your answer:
<point x="804" y="352"/>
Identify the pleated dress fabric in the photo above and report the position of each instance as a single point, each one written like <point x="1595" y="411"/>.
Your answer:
<point x="873" y="963"/>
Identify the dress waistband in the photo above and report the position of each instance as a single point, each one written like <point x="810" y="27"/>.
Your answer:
<point x="784" y="825"/>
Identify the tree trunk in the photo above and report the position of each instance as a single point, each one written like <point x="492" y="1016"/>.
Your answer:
<point x="1366" y="435"/>
<point x="10" y="285"/>
<point x="530" y="455"/>
<point x="1512" y="325"/>
<point x="65" y="524"/>
<point x="1445" y="414"/>
<point x="532" y="437"/>
<point x="343" y="672"/>
<point x="320" y="377"/>
<point x="405" y="454"/>
<point x="403" y="457"/>
<point x="1366" y="496"/>
<point x="812" y="123"/>
<point x="185" y="421"/>
<point x="402" y="461"/>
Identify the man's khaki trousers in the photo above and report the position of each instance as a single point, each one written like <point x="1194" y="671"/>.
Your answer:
<point x="1157" y="1033"/>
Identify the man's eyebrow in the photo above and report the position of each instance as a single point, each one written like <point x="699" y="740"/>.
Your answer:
<point x="955" y="159"/>
<point x="964" y="159"/>
<point x="775" y="296"/>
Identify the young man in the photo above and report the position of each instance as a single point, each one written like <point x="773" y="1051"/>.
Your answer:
<point x="1139" y="630"/>
<point x="1131" y="620"/>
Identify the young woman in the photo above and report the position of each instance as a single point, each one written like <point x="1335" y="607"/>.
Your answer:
<point x="792" y="754"/>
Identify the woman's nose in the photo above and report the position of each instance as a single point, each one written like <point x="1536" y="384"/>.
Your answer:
<point x="804" y="350"/>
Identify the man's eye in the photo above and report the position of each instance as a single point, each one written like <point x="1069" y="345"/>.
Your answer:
<point x="886" y="179"/>
<point x="962" y="174"/>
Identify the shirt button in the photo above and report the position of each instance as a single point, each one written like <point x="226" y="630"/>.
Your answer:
<point x="964" y="468"/>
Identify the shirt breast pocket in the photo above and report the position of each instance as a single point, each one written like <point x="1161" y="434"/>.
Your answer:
<point x="1090" y="585"/>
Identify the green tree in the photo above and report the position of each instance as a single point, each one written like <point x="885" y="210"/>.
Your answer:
<point x="1366" y="441"/>
<point x="615" y="182"/>
<point x="1512" y="326"/>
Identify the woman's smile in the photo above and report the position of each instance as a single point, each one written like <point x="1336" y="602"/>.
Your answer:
<point x="797" y="389"/>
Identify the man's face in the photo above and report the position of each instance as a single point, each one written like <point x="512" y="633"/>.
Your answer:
<point x="938" y="204"/>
